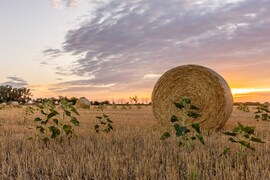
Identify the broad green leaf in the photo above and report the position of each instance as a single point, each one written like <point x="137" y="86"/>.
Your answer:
<point x="236" y="129"/>
<point x="67" y="129"/>
<point x="256" y="140"/>
<point x="56" y="121"/>
<point x="244" y="143"/>
<point x="74" y="121"/>
<point x="68" y="113"/>
<point x="179" y="105"/>
<point x="232" y="140"/>
<point x="55" y="131"/>
<point x="196" y="127"/>
<point x="193" y="107"/>
<point x="186" y="101"/>
<point x="200" y="137"/>
<point x="38" y="119"/>
<point x="230" y="133"/>
<point x="63" y="107"/>
<point x="249" y="129"/>
<point x="109" y="120"/>
<point x="180" y="130"/>
<point x="174" y="118"/>
<point x="73" y="109"/>
<point x="242" y="128"/>
<point x="193" y="114"/>
<point x="52" y="114"/>
<point x="165" y="136"/>
<point x="41" y="129"/>
<point x="110" y="126"/>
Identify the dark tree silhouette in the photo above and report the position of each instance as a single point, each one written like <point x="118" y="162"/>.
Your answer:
<point x="8" y="93"/>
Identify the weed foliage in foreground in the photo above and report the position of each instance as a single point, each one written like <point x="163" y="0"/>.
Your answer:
<point x="185" y="132"/>
<point x="243" y="136"/>
<point x="55" y="124"/>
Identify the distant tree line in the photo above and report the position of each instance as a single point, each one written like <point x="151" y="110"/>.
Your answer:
<point x="9" y="93"/>
<point x="100" y="102"/>
<point x="248" y="103"/>
<point x="23" y="96"/>
<point x="71" y="100"/>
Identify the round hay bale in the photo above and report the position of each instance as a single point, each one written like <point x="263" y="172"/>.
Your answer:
<point x="206" y="89"/>
<point x="83" y="103"/>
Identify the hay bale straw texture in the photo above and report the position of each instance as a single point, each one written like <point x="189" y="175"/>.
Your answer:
<point x="83" y="103"/>
<point x="206" y="89"/>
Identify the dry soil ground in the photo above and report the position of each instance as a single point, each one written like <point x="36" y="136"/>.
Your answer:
<point x="132" y="151"/>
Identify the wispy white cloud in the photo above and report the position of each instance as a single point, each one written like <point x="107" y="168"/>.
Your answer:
<point x="125" y="43"/>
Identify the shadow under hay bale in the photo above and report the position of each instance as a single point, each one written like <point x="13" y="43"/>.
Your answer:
<point x="206" y="89"/>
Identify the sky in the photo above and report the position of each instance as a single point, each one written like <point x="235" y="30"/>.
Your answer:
<point x="115" y="49"/>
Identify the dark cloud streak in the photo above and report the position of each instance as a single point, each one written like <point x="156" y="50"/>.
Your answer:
<point x="15" y="82"/>
<point x="127" y="40"/>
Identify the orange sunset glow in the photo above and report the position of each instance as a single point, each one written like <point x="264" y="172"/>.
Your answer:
<point x="251" y="94"/>
<point x="114" y="49"/>
<point x="135" y="89"/>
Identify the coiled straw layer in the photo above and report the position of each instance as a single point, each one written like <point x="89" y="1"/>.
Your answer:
<point x="206" y="89"/>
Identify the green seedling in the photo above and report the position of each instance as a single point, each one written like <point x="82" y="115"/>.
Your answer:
<point x="101" y="107"/>
<point x="56" y="125"/>
<point x="262" y="112"/>
<point x="243" y="107"/>
<point x="184" y="131"/>
<point x="243" y="136"/>
<point x="105" y="124"/>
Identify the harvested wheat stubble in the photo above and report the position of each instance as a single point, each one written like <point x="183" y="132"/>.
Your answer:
<point x="207" y="90"/>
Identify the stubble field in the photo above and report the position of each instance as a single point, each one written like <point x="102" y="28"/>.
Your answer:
<point x="133" y="150"/>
